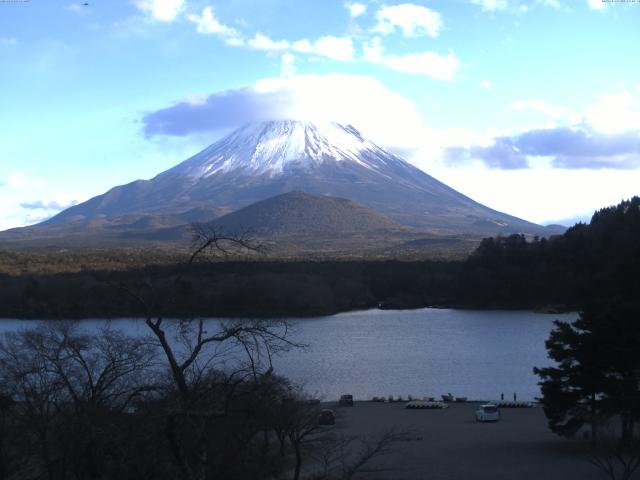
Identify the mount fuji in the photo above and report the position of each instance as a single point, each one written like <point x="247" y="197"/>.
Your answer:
<point x="266" y="159"/>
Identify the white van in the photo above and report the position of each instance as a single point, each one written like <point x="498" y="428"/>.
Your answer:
<point x="487" y="413"/>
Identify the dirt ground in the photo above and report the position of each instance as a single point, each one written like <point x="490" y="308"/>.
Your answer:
<point x="449" y="444"/>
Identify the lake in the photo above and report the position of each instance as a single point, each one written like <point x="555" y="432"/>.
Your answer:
<point x="425" y="352"/>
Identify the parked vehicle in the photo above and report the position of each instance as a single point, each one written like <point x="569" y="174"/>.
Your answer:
<point x="487" y="413"/>
<point x="327" y="417"/>
<point x="346" y="401"/>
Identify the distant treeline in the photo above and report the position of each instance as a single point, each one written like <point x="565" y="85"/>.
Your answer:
<point x="598" y="260"/>
<point x="589" y="262"/>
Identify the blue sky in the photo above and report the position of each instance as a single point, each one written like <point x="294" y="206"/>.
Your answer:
<point x="531" y="107"/>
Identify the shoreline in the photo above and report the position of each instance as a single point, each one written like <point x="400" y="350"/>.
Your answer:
<point x="306" y="314"/>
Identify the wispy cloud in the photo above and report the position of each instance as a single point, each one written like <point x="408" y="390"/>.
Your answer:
<point x="554" y="112"/>
<point x="207" y="23"/>
<point x="596" y="4"/>
<point x="492" y="5"/>
<point x="412" y="20"/>
<point x="615" y="112"/>
<point x="431" y="64"/>
<point x="161" y="10"/>
<point x="48" y="204"/>
<point x="21" y="180"/>
<point x="329" y="46"/>
<point x="287" y="65"/>
<point x="518" y="7"/>
<point x="355" y="9"/>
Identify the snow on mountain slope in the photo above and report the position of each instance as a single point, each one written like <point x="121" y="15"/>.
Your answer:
<point x="279" y="147"/>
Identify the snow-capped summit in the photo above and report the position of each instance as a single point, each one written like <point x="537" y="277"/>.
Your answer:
<point x="277" y="147"/>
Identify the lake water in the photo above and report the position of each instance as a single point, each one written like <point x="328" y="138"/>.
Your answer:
<point x="426" y="352"/>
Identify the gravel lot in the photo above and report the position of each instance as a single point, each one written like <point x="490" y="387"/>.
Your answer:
<point x="449" y="444"/>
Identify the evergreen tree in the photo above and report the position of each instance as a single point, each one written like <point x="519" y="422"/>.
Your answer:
<point x="596" y="373"/>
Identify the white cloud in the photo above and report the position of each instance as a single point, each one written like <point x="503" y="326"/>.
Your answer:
<point x="412" y="20"/>
<point x="161" y="10"/>
<point x="511" y="191"/>
<point x="596" y="4"/>
<point x="486" y="84"/>
<point x="329" y="46"/>
<point x="302" y="46"/>
<point x="14" y="216"/>
<point x="25" y="206"/>
<point x="428" y="63"/>
<point x="492" y="5"/>
<point x="519" y="7"/>
<point x="359" y="100"/>
<point x="337" y="48"/>
<point x="26" y="200"/>
<point x="362" y="101"/>
<point x="373" y="51"/>
<point x="207" y="23"/>
<point x="551" y="3"/>
<point x="614" y="113"/>
<point x="20" y="180"/>
<point x="553" y="111"/>
<point x="56" y="202"/>
<point x="287" y="65"/>
<point x="355" y="9"/>
<point x="262" y="42"/>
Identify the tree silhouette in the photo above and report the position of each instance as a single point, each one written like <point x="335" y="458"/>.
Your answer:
<point x="597" y="371"/>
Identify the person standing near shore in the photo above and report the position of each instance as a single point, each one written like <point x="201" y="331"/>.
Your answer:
<point x="502" y="396"/>
<point x="515" y="397"/>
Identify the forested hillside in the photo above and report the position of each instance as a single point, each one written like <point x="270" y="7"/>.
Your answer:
<point x="592" y="261"/>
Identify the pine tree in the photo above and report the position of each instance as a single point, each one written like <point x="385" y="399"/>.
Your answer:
<point x="596" y="373"/>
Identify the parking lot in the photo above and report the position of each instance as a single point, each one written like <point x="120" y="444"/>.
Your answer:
<point x="450" y="445"/>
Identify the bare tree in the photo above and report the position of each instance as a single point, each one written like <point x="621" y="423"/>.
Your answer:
<point x="207" y="238"/>
<point x="302" y="424"/>
<point x="37" y="392"/>
<point x="69" y="387"/>
<point x="191" y="347"/>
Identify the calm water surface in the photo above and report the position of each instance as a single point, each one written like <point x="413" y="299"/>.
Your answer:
<point x="477" y="354"/>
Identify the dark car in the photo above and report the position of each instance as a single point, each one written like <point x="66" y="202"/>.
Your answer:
<point x="327" y="417"/>
<point x="346" y="401"/>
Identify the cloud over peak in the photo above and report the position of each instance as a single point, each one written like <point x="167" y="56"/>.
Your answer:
<point x="360" y="100"/>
